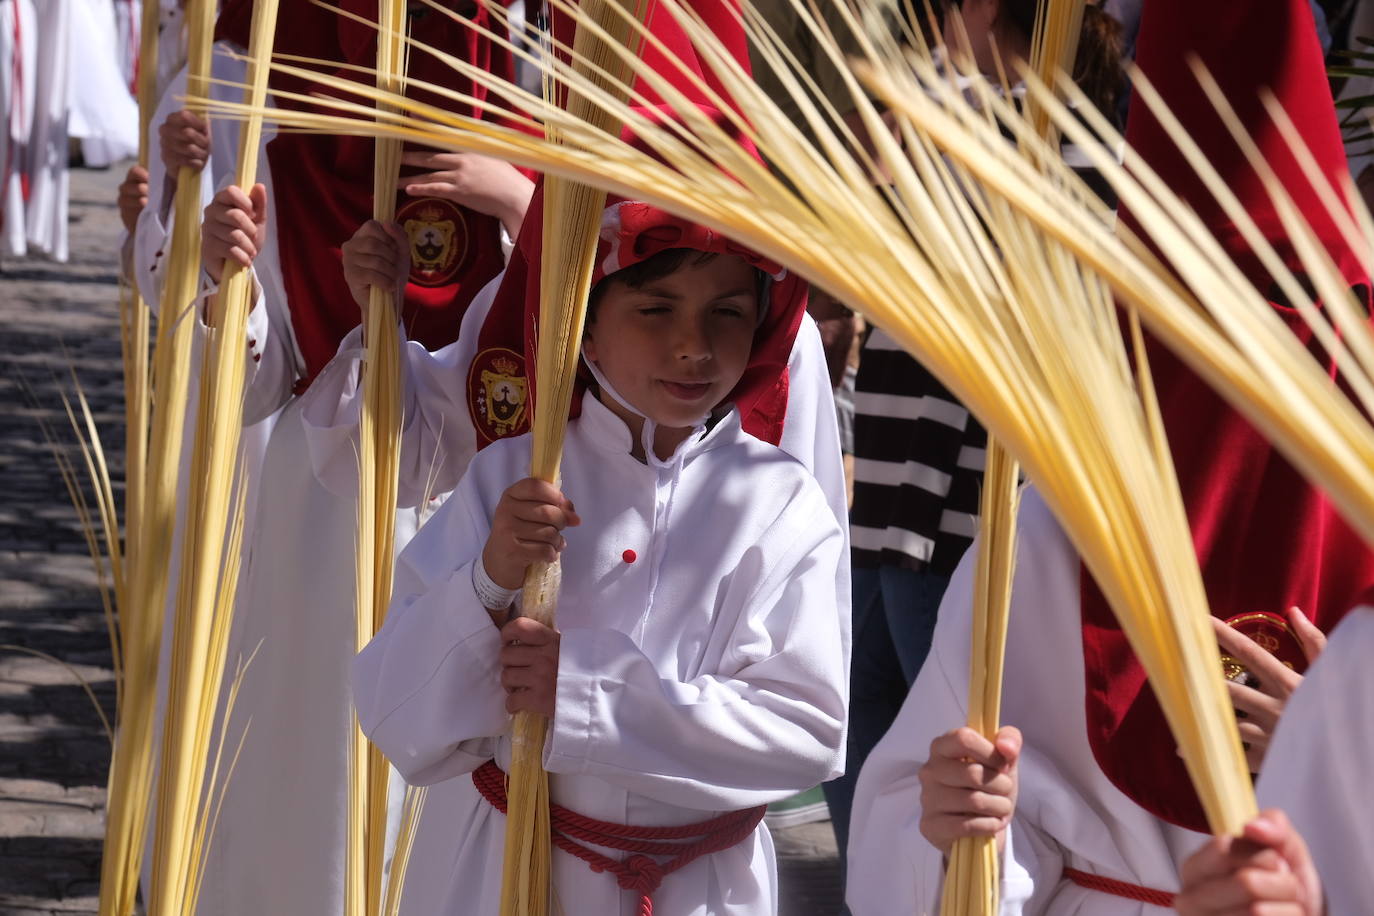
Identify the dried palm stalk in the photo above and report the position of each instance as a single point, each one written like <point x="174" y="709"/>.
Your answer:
<point x="571" y="228"/>
<point x="152" y="512"/>
<point x="135" y="316"/>
<point x="211" y="541"/>
<point x="1045" y="372"/>
<point x="379" y="454"/>
<point x="973" y="877"/>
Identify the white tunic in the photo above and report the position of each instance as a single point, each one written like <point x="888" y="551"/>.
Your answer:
<point x="439" y="440"/>
<point x="104" y="116"/>
<point x="1068" y="813"/>
<point x="46" y="159"/>
<point x="18" y="47"/>
<point x="707" y="675"/>
<point x="1317" y="768"/>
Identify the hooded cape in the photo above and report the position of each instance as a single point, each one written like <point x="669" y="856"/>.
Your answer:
<point x="1265" y="538"/>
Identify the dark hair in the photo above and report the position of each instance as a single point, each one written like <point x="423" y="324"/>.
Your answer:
<point x="1098" y="68"/>
<point x="656" y="267"/>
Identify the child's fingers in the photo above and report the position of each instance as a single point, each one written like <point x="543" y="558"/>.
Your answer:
<point x="1310" y="636"/>
<point x="1275" y="678"/>
<point x="424" y="159"/>
<point x="528" y="632"/>
<point x="1211" y="861"/>
<point x="964" y="776"/>
<point x="258" y="198"/>
<point x="1258" y="706"/>
<point x="532" y="489"/>
<point x="963" y="744"/>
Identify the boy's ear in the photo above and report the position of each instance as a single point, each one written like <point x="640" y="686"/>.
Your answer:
<point x="588" y="345"/>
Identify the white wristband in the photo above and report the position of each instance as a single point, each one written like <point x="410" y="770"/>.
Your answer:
<point x="493" y="597"/>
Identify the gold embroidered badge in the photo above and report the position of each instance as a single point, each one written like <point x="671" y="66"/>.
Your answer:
<point x="438" y="239"/>
<point x="497" y="393"/>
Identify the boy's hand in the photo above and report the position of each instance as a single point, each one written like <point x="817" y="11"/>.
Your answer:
<point x="529" y="666"/>
<point x="968" y="786"/>
<point x="474" y="181"/>
<point x="1259" y="709"/>
<point x="377" y="255"/>
<point x="525" y="529"/>
<point x="185" y="141"/>
<point x="235" y="226"/>
<point x="133" y="196"/>
<point x="1265" y="870"/>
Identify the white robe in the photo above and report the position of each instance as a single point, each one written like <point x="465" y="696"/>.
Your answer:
<point x="1068" y="813"/>
<point x="707" y="675"/>
<point x="46" y="160"/>
<point x="438" y="440"/>
<point x="1317" y="768"/>
<point x="18" y="47"/>
<point x="104" y="116"/>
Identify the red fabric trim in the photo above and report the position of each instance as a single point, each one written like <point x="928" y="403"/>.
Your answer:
<point x="1265" y="538"/>
<point x="569" y="830"/>
<point x="1119" y="888"/>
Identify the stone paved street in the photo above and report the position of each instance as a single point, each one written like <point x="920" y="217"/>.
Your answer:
<point x="53" y="748"/>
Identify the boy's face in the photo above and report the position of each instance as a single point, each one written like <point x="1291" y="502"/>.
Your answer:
<point x="675" y="347"/>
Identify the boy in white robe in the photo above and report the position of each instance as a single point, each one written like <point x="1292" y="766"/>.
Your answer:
<point x="1089" y="796"/>
<point x="701" y="663"/>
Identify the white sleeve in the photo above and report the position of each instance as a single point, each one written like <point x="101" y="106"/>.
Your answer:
<point x="780" y="694"/>
<point x="1317" y="767"/>
<point x="437" y="438"/>
<point x="892" y="868"/>
<point x="427" y="687"/>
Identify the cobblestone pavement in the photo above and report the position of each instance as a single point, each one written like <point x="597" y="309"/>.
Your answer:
<point x="53" y="750"/>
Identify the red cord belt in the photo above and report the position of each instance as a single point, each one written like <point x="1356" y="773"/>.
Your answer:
<point x="686" y="843"/>
<point x="1119" y="888"/>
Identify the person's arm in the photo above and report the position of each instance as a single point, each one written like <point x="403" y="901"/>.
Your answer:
<point x="768" y="722"/>
<point x="437" y="438"/>
<point x="1267" y="869"/>
<point x="471" y="180"/>
<point x="427" y="687"/>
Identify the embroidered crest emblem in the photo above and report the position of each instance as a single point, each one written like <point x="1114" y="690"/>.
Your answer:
<point x="438" y="239"/>
<point x="1272" y="634"/>
<point x="498" y="393"/>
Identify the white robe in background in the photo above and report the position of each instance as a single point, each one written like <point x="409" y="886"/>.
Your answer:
<point x="1317" y="768"/>
<point x="18" y="47"/>
<point x="1068" y="813"/>
<point x="707" y="675"/>
<point x="104" y="116"/>
<point x="46" y="161"/>
<point x="438" y="440"/>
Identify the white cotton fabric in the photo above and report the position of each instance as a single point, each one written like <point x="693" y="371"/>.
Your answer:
<point x="708" y="675"/>
<point x="46" y="156"/>
<point x="18" y="71"/>
<point x="1068" y="813"/>
<point x="104" y="116"/>
<point x="1317" y="766"/>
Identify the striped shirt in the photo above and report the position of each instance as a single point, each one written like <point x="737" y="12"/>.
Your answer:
<point x="918" y="453"/>
<point x="918" y="465"/>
